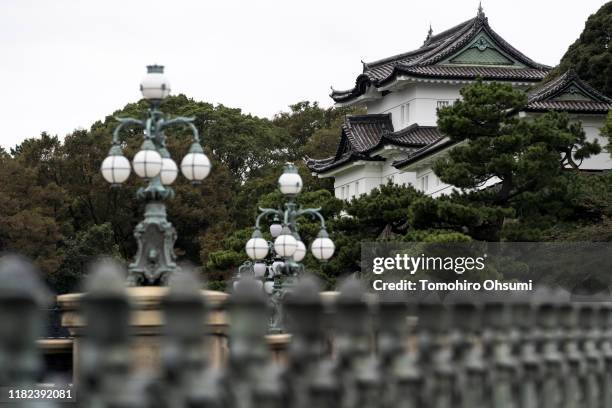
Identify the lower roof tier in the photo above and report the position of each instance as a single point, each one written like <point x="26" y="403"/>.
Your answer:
<point x="363" y="136"/>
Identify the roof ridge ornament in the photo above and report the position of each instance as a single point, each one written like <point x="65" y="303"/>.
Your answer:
<point x="481" y="13"/>
<point x="429" y="33"/>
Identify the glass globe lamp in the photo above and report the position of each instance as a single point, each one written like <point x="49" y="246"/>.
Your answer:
<point x="115" y="169"/>
<point x="323" y="248"/>
<point x="147" y="163"/>
<point x="285" y="244"/>
<point x="275" y="229"/>
<point x="259" y="269"/>
<point x="168" y="172"/>
<point x="257" y="247"/>
<point x="290" y="182"/>
<point x="195" y="166"/>
<point x="269" y="286"/>
<point x="300" y="251"/>
<point x="155" y="86"/>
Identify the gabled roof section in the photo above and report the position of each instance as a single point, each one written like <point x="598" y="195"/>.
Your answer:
<point x="362" y="134"/>
<point x="412" y="136"/>
<point x="365" y="131"/>
<point x="568" y="93"/>
<point x="467" y="51"/>
<point x="432" y="148"/>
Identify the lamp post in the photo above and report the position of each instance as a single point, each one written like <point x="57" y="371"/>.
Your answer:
<point x="155" y="260"/>
<point x="281" y="259"/>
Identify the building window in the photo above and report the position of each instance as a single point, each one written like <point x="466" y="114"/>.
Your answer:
<point x="425" y="183"/>
<point x="342" y="193"/>
<point x="356" y="189"/>
<point x="442" y="104"/>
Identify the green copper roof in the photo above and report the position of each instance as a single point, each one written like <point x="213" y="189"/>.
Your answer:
<point x="482" y="50"/>
<point x="572" y="94"/>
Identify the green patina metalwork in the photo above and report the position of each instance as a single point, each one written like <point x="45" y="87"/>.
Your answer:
<point x="291" y="271"/>
<point x="155" y="260"/>
<point x="482" y="51"/>
<point x="572" y="94"/>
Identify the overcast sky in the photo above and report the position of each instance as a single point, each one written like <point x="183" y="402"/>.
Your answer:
<point x="67" y="63"/>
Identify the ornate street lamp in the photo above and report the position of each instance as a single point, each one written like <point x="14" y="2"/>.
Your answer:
<point x="155" y="259"/>
<point x="280" y="260"/>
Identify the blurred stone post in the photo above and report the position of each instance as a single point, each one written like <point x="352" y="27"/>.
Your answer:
<point x="22" y="298"/>
<point x="572" y="358"/>
<point x="104" y="363"/>
<point x="496" y="345"/>
<point x="588" y="317"/>
<point x="352" y="324"/>
<point x="184" y="355"/>
<point x="466" y="354"/>
<point x="606" y="350"/>
<point x="253" y="380"/>
<point x="392" y="330"/>
<point x="304" y="320"/>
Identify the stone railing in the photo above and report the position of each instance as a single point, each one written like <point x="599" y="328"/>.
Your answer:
<point x="536" y="349"/>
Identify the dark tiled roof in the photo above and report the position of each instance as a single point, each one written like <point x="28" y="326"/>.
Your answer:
<point x="570" y="106"/>
<point x="425" y="151"/>
<point x="381" y="69"/>
<point x="414" y="135"/>
<point x="362" y="134"/>
<point x="365" y="131"/>
<point x="464" y="35"/>
<point x="319" y="166"/>
<point x="421" y="62"/>
<point x="588" y="99"/>
<point x="470" y="72"/>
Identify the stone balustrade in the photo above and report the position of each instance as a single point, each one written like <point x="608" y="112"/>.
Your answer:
<point x="544" y="348"/>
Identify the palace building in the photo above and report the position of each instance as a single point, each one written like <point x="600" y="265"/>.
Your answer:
<point x="397" y="140"/>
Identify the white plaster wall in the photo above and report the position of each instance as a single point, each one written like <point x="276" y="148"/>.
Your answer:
<point x="427" y="97"/>
<point x="392" y="103"/>
<point x="362" y="179"/>
<point x="390" y="173"/>
<point x="357" y="180"/>
<point x="436" y="187"/>
<point x="422" y="99"/>
<point x="592" y="126"/>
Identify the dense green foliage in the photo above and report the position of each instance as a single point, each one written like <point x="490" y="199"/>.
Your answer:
<point x="607" y="131"/>
<point x="56" y="208"/>
<point x="529" y="163"/>
<point x="591" y="54"/>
